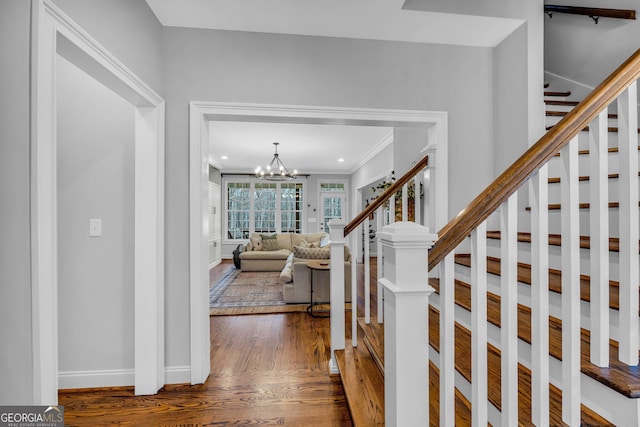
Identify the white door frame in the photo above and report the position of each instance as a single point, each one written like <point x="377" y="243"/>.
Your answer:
<point x="200" y="113"/>
<point x="54" y="33"/>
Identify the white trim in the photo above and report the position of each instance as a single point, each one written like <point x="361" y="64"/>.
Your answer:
<point x="200" y="112"/>
<point x="99" y="378"/>
<point x="54" y="33"/>
<point x="384" y="143"/>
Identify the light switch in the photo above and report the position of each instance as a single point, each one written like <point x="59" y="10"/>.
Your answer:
<point x="95" y="227"/>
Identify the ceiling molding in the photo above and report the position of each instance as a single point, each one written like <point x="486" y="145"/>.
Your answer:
<point x="384" y="143"/>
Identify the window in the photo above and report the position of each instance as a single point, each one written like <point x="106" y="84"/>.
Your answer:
<point x="331" y="186"/>
<point x="263" y="207"/>
<point x="291" y="204"/>
<point x="238" y="210"/>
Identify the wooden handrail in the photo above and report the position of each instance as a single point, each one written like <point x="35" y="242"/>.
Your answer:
<point x="593" y="12"/>
<point x="452" y="234"/>
<point x="386" y="195"/>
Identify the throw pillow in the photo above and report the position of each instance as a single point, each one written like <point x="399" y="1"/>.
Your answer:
<point x="324" y="241"/>
<point x="314" y="244"/>
<point x="311" y="253"/>
<point x="256" y="242"/>
<point x="269" y="242"/>
<point x="304" y="244"/>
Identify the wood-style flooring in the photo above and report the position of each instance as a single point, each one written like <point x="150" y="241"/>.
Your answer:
<point x="265" y="370"/>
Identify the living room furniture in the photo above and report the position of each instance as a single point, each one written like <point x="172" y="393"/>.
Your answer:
<point x="257" y="259"/>
<point x="317" y="267"/>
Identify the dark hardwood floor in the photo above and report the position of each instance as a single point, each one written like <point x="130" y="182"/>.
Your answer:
<point x="265" y="370"/>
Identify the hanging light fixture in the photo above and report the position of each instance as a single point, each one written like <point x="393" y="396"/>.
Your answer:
<point x="276" y="170"/>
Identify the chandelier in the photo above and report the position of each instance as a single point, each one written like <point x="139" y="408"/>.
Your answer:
<point x="276" y="170"/>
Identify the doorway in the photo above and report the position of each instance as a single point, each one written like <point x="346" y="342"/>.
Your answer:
<point x="201" y="113"/>
<point x="333" y="205"/>
<point x="53" y="34"/>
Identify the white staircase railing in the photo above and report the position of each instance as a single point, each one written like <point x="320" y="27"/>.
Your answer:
<point x="401" y="274"/>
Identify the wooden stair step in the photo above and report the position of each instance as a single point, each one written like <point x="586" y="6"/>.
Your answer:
<point x="620" y="377"/>
<point x="564" y="113"/>
<point x="556" y="240"/>
<point x="555" y="278"/>
<point x="373" y="338"/>
<point x="363" y="386"/>
<point x="557" y="180"/>
<point x="558" y="206"/>
<point x="374" y="333"/>
<point x="463" y="366"/>
<point x="561" y="94"/>
<point x="586" y="152"/>
<point x="564" y="103"/>
<point x="611" y="129"/>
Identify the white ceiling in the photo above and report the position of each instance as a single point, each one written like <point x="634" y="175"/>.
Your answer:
<point x="316" y="148"/>
<point x="308" y="148"/>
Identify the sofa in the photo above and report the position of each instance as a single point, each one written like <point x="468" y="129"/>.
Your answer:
<point x="289" y="253"/>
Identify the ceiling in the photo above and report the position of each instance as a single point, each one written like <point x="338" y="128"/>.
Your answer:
<point x="308" y="148"/>
<point x="316" y="148"/>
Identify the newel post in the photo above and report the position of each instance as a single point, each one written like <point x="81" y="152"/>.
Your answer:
<point x="406" y="327"/>
<point x="336" y="235"/>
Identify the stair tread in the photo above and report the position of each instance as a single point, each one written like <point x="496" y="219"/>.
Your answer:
<point x="557" y="180"/>
<point x="561" y="94"/>
<point x="557" y="102"/>
<point x="558" y="206"/>
<point x="463" y="366"/>
<point x="556" y="240"/>
<point x="586" y="152"/>
<point x="554" y="113"/>
<point x="611" y="129"/>
<point x="555" y="278"/>
<point x="620" y="377"/>
<point x="363" y="386"/>
<point x="373" y="339"/>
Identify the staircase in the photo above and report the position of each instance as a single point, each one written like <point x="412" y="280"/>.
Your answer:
<point x="600" y="372"/>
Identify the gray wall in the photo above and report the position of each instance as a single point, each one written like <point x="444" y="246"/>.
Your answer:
<point x="510" y="114"/>
<point x="15" y="274"/>
<point x="129" y="30"/>
<point x="532" y="44"/>
<point x="209" y="65"/>
<point x="126" y="28"/>
<point x="579" y="50"/>
<point x="95" y="180"/>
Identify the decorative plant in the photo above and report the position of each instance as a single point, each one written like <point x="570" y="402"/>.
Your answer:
<point x="411" y="194"/>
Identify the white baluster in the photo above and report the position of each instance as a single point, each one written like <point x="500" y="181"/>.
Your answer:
<point x="539" y="195"/>
<point x="379" y="219"/>
<point x="405" y="202"/>
<point x="479" y="392"/>
<point x="447" y="342"/>
<point x="416" y="198"/>
<point x="336" y="283"/>
<point x="570" y="284"/>
<point x="354" y="290"/>
<point x="367" y="275"/>
<point x="509" y="310"/>
<point x="392" y="209"/>
<point x="628" y="211"/>
<point x="599" y="240"/>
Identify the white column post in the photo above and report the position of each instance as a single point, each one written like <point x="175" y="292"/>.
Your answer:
<point x="406" y="326"/>
<point x="336" y="234"/>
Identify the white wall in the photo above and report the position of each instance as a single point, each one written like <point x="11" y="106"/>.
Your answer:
<point x="96" y="274"/>
<point x="407" y="144"/>
<point x="578" y="49"/>
<point x="15" y="274"/>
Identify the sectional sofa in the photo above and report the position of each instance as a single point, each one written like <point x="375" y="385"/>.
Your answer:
<point x="289" y="253"/>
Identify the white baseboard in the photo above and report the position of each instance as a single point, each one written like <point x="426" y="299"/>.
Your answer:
<point x="117" y="377"/>
<point x="89" y="379"/>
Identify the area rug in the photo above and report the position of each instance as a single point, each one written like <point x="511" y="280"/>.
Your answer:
<point x="249" y="292"/>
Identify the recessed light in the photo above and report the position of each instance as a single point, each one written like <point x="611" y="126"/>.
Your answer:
<point x="341" y="159"/>
<point x="224" y="157"/>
